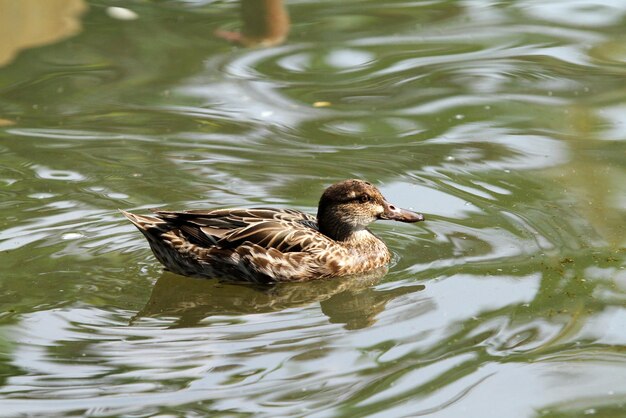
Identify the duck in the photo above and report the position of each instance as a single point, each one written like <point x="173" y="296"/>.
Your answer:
<point x="266" y="245"/>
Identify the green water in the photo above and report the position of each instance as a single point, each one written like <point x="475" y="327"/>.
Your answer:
<point x="503" y="122"/>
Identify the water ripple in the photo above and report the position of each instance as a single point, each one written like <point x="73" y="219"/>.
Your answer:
<point x="502" y="122"/>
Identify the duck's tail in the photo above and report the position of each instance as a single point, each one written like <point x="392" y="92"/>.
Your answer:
<point x="144" y="223"/>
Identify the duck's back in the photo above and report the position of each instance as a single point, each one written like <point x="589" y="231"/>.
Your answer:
<point x="284" y="230"/>
<point x="261" y="244"/>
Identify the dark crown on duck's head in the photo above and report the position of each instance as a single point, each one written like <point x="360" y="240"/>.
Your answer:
<point x="350" y="205"/>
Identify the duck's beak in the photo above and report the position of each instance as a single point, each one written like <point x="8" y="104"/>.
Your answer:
<point x="394" y="213"/>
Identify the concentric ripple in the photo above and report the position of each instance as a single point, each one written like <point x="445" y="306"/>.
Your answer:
<point x="503" y="122"/>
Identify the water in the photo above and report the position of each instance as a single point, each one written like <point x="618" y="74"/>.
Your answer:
<point x="503" y="122"/>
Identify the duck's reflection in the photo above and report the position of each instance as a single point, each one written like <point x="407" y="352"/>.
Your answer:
<point x="350" y="300"/>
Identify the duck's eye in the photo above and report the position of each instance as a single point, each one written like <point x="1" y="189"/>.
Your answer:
<point x="364" y="198"/>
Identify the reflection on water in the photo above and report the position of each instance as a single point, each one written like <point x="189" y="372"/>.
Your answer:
<point x="265" y="23"/>
<point x="27" y="23"/>
<point x="350" y="300"/>
<point x="502" y="122"/>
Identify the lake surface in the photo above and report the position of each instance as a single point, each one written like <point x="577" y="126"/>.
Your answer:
<point x="503" y="122"/>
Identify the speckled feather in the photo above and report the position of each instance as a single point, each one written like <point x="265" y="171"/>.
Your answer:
<point x="266" y="245"/>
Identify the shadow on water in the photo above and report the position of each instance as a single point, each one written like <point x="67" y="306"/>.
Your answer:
<point x="352" y="301"/>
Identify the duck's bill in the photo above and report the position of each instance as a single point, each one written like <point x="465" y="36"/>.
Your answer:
<point x="394" y="213"/>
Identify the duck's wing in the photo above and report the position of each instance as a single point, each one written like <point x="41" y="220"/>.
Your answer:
<point x="285" y="230"/>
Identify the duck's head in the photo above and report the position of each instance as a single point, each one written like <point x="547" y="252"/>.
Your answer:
<point x="350" y="205"/>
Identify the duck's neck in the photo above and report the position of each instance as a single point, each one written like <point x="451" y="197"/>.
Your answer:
<point x="347" y="233"/>
<point x="339" y="231"/>
<point x="359" y="236"/>
<point x="365" y="246"/>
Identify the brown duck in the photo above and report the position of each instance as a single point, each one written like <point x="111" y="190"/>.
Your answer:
<point x="276" y="245"/>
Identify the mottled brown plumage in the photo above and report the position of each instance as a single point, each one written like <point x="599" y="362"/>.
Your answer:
<point x="276" y="245"/>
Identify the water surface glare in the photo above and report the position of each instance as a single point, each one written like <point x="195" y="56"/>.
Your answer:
<point x="503" y="122"/>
